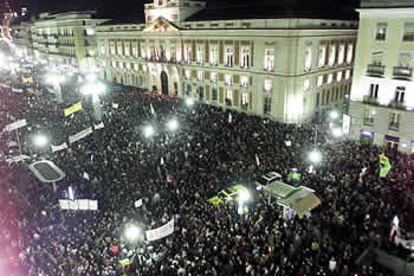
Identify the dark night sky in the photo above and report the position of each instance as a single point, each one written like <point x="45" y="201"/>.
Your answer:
<point x="118" y="8"/>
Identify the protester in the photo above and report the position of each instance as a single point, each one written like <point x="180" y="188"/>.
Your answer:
<point x="174" y="173"/>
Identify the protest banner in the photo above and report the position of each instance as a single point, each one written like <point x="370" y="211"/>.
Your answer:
<point x="73" y="109"/>
<point x="138" y="203"/>
<point x="59" y="147"/>
<point x="99" y="126"/>
<point x="16" y="125"/>
<point x="161" y="232"/>
<point x="79" y="204"/>
<point x="80" y="135"/>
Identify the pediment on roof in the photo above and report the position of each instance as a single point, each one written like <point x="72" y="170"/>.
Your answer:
<point x="161" y="25"/>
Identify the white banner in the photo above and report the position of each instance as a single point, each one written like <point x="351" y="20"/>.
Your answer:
<point x="162" y="232"/>
<point x="99" y="126"/>
<point x="17" y="90"/>
<point x="138" y="203"/>
<point x="59" y="147"/>
<point x="79" y="204"/>
<point x="80" y="135"/>
<point x="115" y="106"/>
<point x="346" y="124"/>
<point x="16" y="125"/>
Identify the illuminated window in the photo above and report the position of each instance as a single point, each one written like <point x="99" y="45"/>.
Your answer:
<point x="200" y="75"/>
<point x="269" y="61"/>
<point x="213" y="77"/>
<point x="229" y="94"/>
<point x="244" y="81"/>
<point x="341" y="54"/>
<point x="136" y="67"/>
<point x="350" y="53"/>
<point x="213" y="55"/>
<point x="268" y="84"/>
<point x="320" y="81"/>
<point x="187" y="74"/>
<point x="338" y="76"/>
<point x="347" y="74"/>
<point x="381" y="31"/>
<point x="308" y="59"/>
<point x="188" y="53"/>
<point x="200" y="54"/>
<point x="330" y="78"/>
<point x="245" y="99"/>
<point x="332" y="55"/>
<point x="306" y="85"/>
<point x="245" y="57"/>
<point x="228" y="79"/>
<point x="322" y="56"/>
<point x="229" y="56"/>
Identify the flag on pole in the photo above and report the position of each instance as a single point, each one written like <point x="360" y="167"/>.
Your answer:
<point x="99" y="126"/>
<point x="385" y="165"/>
<point x="152" y="109"/>
<point x="257" y="160"/>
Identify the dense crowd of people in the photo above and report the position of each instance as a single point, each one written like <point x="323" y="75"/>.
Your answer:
<point x="175" y="173"/>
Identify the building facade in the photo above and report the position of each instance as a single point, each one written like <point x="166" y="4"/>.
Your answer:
<point x="287" y="69"/>
<point x="66" y="39"/>
<point x="382" y="96"/>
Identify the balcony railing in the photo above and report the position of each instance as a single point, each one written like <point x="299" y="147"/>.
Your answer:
<point x="394" y="126"/>
<point x="404" y="73"/>
<point x="397" y="105"/>
<point x="375" y="70"/>
<point x="370" y="100"/>
<point x="368" y="121"/>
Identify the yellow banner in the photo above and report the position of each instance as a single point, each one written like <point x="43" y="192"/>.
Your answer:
<point x="27" y="80"/>
<point x="73" y="109"/>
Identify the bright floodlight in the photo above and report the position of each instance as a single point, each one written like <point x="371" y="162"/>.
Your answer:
<point x="337" y="132"/>
<point x="91" y="77"/>
<point x="95" y="88"/>
<point x="172" y="125"/>
<point x="54" y="79"/>
<point x="189" y="102"/>
<point x="149" y="131"/>
<point x="244" y="195"/>
<point x="132" y="232"/>
<point x="40" y="140"/>
<point x="315" y="156"/>
<point x="334" y="114"/>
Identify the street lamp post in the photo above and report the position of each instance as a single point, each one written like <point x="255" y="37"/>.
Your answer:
<point x="94" y="89"/>
<point x="55" y="80"/>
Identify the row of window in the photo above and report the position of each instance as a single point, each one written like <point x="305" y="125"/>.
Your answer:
<point x="394" y="119"/>
<point x="332" y="95"/>
<point x="399" y="94"/>
<point x="330" y="55"/>
<point x="337" y="54"/>
<point x="381" y="32"/>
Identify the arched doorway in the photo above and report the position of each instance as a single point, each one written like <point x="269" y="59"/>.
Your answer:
<point x="164" y="83"/>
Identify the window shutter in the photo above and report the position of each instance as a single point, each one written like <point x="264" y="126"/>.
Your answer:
<point x="207" y="92"/>
<point x="236" y="98"/>
<point x="221" y="95"/>
<point x="236" y="78"/>
<point x="193" y="74"/>
<point x="206" y="51"/>
<point x="193" y="50"/>
<point x="236" y="53"/>
<point x="221" y="52"/>
<point x="221" y="77"/>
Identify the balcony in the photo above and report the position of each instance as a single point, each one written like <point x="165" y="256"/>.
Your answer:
<point x="370" y="100"/>
<point x="402" y="73"/>
<point x="375" y="70"/>
<point x="395" y="126"/>
<point x="397" y="105"/>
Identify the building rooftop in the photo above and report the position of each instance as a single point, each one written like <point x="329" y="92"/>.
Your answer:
<point x="387" y="3"/>
<point x="267" y="9"/>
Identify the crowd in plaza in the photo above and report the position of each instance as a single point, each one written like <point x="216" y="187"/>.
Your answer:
<point x="174" y="173"/>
